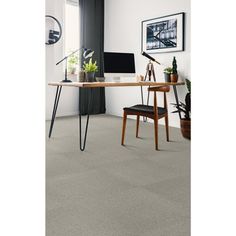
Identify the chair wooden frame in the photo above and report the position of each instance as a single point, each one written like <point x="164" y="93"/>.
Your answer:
<point x="153" y="116"/>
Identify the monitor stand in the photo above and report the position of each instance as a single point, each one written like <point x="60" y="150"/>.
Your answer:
<point x="116" y="78"/>
<point x="119" y="77"/>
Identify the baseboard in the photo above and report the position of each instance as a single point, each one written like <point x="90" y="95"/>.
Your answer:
<point x="75" y="113"/>
<point x="64" y="114"/>
<point x="161" y="121"/>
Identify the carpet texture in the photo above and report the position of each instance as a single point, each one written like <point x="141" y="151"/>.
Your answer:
<point x="111" y="190"/>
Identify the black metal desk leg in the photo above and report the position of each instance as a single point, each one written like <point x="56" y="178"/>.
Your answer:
<point x="82" y="147"/>
<point x="57" y="97"/>
<point x="141" y="93"/>
<point x="177" y="99"/>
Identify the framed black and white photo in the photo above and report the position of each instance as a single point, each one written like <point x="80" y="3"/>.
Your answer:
<point x="163" y="34"/>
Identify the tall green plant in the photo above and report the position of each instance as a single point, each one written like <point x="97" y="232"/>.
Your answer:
<point x="188" y="84"/>
<point x="185" y="108"/>
<point x="174" y="66"/>
<point x="188" y="95"/>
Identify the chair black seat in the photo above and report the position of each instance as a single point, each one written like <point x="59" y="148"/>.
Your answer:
<point x="146" y="109"/>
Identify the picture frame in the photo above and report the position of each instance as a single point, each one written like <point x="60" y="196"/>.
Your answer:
<point x="163" y="34"/>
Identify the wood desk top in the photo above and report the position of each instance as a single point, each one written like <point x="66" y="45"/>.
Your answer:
<point x="112" y="84"/>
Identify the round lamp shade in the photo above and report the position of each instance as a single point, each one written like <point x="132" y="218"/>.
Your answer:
<point x="87" y="53"/>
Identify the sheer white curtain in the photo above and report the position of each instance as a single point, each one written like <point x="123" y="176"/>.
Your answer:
<point x="73" y="2"/>
<point x="72" y="36"/>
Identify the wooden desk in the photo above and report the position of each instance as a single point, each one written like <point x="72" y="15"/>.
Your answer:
<point x="92" y="85"/>
<point x="111" y="84"/>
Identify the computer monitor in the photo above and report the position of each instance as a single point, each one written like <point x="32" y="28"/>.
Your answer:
<point x="118" y="64"/>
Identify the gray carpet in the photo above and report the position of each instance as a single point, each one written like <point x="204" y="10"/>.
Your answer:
<point x="111" y="190"/>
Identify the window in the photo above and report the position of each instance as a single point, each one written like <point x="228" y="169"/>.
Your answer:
<point x="71" y="26"/>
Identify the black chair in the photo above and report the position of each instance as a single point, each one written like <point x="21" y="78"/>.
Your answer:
<point x="152" y="112"/>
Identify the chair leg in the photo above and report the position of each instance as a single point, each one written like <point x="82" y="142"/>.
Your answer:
<point x="123" y="128"/>
<point x="137" y="125"/>
<point x="167" y="128"/>
<point x="156" y="132"/>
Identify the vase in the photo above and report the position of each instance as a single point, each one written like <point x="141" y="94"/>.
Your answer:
<point x="72" y="70"/>
<point x="185" y="128"/>
<point x="90" y="76"/>
<point x="81" y="76"/>
<point x="173" y="78"/>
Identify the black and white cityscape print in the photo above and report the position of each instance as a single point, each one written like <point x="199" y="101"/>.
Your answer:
<point x="161" y="35"/>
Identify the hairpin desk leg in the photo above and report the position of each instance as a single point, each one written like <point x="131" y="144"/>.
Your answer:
<point x="57" y="97"/>
<point x="141" y="93"/>
<point x="82" y="147"/>
<point x="176" y="99"/>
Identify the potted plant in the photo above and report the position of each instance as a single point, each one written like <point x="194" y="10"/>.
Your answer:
<point x="167" y="72"/>
<point x="90" y="68"/>
<point x="72" y="63"/>
<point x="174" y="73"/>
<point x="185" y="123"/>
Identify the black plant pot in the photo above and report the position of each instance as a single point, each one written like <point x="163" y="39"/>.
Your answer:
<point x="167" y="77"/>
<point x="90" y="76"/>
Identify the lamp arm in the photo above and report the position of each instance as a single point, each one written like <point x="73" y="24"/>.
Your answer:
<point x="68" y="56"/>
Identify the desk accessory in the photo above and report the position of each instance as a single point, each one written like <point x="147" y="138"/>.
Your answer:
<point x="86" y="54"/>
<point x="139" y="78"/>
<point x="90" y="68"/>
<point x="81" y="76"/>
<point x="100" y="79"/>
<point x="167" y="72"/>
<point x="150" y="73"/>
<point x="73" y="63"/>
<point x="150" y="68"/>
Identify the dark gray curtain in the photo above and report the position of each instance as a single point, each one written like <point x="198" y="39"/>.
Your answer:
<point x="92" y="36"/>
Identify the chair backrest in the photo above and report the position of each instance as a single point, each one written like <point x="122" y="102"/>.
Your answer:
<point x="164" y="89"/>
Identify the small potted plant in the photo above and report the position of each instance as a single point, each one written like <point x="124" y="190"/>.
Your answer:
<point x="174" y="73"/>
<point x="72" y="63"/>
<point x="185" y="122"/>
<point x="90" y="68"/>
<point x="167" y="72"/>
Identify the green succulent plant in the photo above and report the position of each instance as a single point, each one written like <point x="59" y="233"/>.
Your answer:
<point x="73" y="60"/>
<point x="72" y="63"/>
<point x="90" y="66"/>
<point x="168" y="70"/>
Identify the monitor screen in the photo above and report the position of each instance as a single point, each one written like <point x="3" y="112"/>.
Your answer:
<point x="119" y="62"/>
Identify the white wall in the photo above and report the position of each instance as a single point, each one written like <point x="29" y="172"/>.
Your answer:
<point x="123" y="34"/>
<point x="68" y="104"/>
